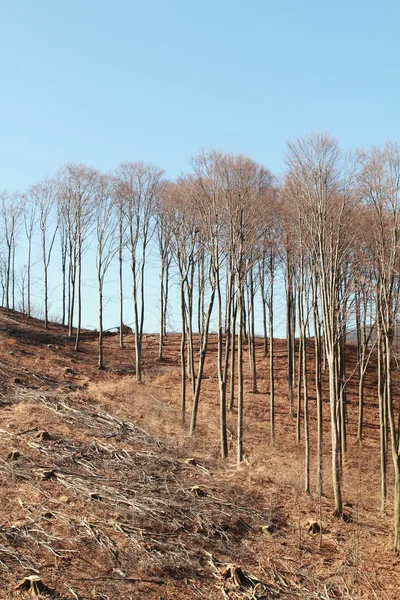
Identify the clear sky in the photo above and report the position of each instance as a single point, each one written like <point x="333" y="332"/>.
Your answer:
<point x="99" y="82"/>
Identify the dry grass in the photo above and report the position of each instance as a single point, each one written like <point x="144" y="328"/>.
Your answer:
<point x="110" y="497"/>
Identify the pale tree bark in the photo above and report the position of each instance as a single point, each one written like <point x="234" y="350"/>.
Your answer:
<point x="233" y="352"/>
<point x="380" y="185"/>
<point x="108" y="244"/>
<point x="318" y="385"/>
<point x="322" y="183"/>
<point x="164" y="243"/>
<point x="239" y="455"/>
<point x="118" y="202"/>
<point x="203" y="335"/>
<point x="177" y="208"/>
<point x="271" y="348"/>
<point x="251" y="292"/>
<point x="30" y="221"/>
<point x="261" y="276"/>
<point x="139" y="187"/>
<point x="76" y="185"/>
<point x="44" y="196"/>
<point x="300" y="360"/>
<point x="365" y="330"/>
<point x="270" y="248"/>
<point x="10" y="213"/>
<point x="63" y="255"/>
<point x="290" y="326"/>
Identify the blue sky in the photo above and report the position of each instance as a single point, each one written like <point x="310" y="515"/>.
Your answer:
<point x="99" y="81"/>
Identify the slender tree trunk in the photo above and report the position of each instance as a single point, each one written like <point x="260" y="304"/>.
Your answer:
<point x="121" y="283"/>
<point x="343" y="395"/>
<point x="233" y="357"/>
<point x="289" y="336"/>
<point x="244" y="316"/>
<point x="71" y="289"/>
<point x="142" y="295"/>
<point x="8" y="272"/>
<point x="200" y="297"/>
<point x="394" y="438"/>
<point x="336" y="469"/>
<point x="299" y="376"/>
<point x="221" y="379"/>
<point x="166" y="290"/>
<point x="100" y="288"/>
<point x="304" y="319"/>
<point x="359" y="367"/>
<point x="45" y="280"/>
<point x="182" y="352"/>
<point x="264" y="311"/>
<point x="138" y="312"/>
<point x="306" y="423"/>
<point x="223" y="366"/>
<point x="252" y="345"/>
<point x="271" y="355"/>
<point x="79" y="324"/>
<point x="63" y="272"/>
<point x="29" y="276"/>
<point x="162" y="325"/>
<point x="318" y="390"/>
<point x="240" y="373"/>
<point x="189" y="306"/>
<point x="382" y="396"/>
<point x="223" y="369"/>
<point x="46" y="298"/>
<point x="199" y="377"/>
<point x="13" y="275"/>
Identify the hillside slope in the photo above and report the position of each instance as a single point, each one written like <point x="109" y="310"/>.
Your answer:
<point x="104" y="495"/>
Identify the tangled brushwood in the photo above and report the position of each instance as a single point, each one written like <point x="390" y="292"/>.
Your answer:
<point x="120" y="510"/>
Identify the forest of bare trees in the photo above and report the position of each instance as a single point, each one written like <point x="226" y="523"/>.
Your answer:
<point x="226" y="231"/>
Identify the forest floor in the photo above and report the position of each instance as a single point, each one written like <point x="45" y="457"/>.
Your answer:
<point x="103" y="494"/>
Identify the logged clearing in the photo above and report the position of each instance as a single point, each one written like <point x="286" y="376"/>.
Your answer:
<point x="105" y="495"/>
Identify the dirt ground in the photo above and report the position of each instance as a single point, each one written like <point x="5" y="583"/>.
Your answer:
<point x="105" y="495"/>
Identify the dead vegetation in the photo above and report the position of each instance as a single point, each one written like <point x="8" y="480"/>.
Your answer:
<point x="96" y="502"/>
<point x="141" y="508"/>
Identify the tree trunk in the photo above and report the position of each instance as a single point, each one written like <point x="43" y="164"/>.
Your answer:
<point x="29" y="276"/>
<point x="182" y="353"/>
<point x="199" y="377"/>
<point x="271" y="357"/>
<point x="318" y="391"/>
<point x="290" y="335"/>
<point x="162" y="325"/>
<point x="233" y="357"/>
<point x="121" y="288"/>
<point x="223" y="368"/>
<point x="240" y="374"/>
<point x="334" y="401"/>
<point x="100" y="287"/>
<point x="252" y="345"/>
<point x="79" y="324"/>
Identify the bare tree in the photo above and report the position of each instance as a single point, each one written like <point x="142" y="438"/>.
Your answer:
<point x="11" y="208"/>
<point x="107" y="236"/>
<point x="247" y="184"/>
<point x="323" y="185"/>
<point x="209" y="169"/>
<point x="43" y="196"/>
<point x="164" y="246"/>
<point x="380" y="185"/>
<point x="76" y="186"/>
<point x="140" y="187"/>
<point x="30" y="221"/>
<point x="184" y="232"/>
